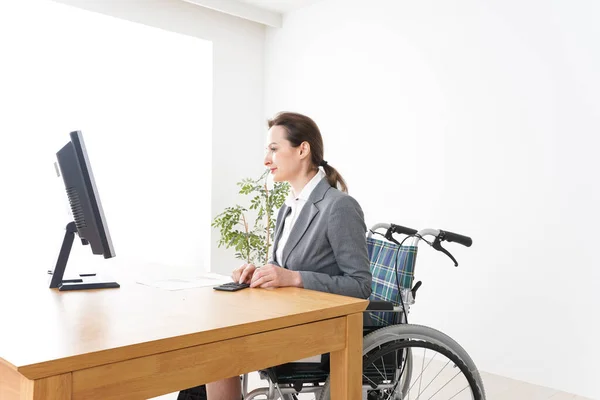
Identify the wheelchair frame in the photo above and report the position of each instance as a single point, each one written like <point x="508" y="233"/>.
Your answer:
<point x="383" y="335"/>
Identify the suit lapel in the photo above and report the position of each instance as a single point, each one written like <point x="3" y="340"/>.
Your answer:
<point x="308" y="213"/>
<point x="280" y="219"/>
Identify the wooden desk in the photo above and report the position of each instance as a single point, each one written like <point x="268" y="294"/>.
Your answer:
<point x="138" y="342"/>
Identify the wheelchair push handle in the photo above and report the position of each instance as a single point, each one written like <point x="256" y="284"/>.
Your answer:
<point x="439" y="235"/>
<point x="455" y="237"/>
<point x="450" y="237"/>
<point x="402" y="229"/>
<point x="393" y="228"/>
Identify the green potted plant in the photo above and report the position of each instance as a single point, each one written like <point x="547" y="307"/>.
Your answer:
<point x="252" y="241"/>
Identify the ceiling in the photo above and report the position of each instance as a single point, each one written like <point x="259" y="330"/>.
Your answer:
<point x="267" y="12"/>
<point x="280" y="6"/>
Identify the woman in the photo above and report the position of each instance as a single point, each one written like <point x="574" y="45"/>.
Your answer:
<point x="320" y="232"/>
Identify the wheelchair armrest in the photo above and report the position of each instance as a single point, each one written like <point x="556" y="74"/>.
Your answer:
<point x="380" y="305"/>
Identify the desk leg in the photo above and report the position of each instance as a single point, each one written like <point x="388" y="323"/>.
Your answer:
<point x="346" y="364"/>
<point x="14" y="386"/>
<point x="57" y="387"/>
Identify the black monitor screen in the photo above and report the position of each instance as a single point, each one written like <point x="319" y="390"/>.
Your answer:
<point x="83" y="196"/>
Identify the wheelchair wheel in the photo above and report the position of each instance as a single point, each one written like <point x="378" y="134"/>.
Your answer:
<point x="402" y="362"/>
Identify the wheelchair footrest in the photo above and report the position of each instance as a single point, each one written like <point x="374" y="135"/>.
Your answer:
<point x="293" y="373"/>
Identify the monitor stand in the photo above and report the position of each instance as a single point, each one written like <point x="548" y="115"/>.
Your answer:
<point x="85" y="281"/>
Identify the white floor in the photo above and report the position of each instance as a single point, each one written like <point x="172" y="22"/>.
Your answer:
<point x="496" y="388"/>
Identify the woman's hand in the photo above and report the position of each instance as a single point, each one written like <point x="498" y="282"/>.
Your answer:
<point x="273" y="276"/>
<point x="244" y="273"/>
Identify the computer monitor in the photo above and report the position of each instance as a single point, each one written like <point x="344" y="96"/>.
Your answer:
<point x="73" y="164"/>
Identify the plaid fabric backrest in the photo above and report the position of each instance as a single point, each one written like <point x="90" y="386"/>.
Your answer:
<point x="386" y="258"/>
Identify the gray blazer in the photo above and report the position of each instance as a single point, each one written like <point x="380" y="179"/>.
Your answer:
<point x="327" y="244"/>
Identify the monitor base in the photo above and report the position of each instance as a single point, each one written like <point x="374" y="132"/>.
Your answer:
<point x="81" y="282"/>
<point x="87" y="285"/>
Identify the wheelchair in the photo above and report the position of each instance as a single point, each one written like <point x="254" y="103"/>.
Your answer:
<point x="401" y="361"/>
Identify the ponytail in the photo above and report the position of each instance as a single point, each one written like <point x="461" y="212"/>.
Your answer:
<point x="334" y="178"/>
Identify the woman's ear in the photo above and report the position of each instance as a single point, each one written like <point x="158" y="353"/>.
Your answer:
<point x="304" y="149"/>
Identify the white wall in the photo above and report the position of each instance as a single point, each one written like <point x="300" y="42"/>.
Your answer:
<point x="69" y="69"/>
<point x="238" y="85"/>
<point x="477" y="118"/>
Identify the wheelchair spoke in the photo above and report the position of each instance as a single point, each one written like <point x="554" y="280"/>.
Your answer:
<point x="431" y="381"/>
<point x="420" y="377"/>
<point x="446" y="384"/>
<point x="384" y="376"/>
<point x="391" y="394"/>
<point x="466" y="387"/>
<point x="373" y="382"/>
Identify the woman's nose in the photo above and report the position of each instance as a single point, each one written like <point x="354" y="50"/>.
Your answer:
<point x="267" y="160"/>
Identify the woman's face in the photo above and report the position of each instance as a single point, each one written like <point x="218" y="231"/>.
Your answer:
<point x="281" y="158"/>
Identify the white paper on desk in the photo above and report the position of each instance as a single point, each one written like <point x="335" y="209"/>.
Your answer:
<point x="187" y="283"/>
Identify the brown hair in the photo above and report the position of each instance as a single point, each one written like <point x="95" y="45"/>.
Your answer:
<point x="301" y="128"/>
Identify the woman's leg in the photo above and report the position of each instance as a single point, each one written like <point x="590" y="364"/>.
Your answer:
<point x="225" y="389"/>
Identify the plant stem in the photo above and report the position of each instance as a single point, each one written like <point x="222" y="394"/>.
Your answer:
<point x="247" y="237"/>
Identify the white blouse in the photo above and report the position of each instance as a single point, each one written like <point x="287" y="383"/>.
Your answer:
<point x="296" y="204"/>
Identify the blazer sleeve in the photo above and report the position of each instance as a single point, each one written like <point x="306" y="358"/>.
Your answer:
<point x="346" y="232"/>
